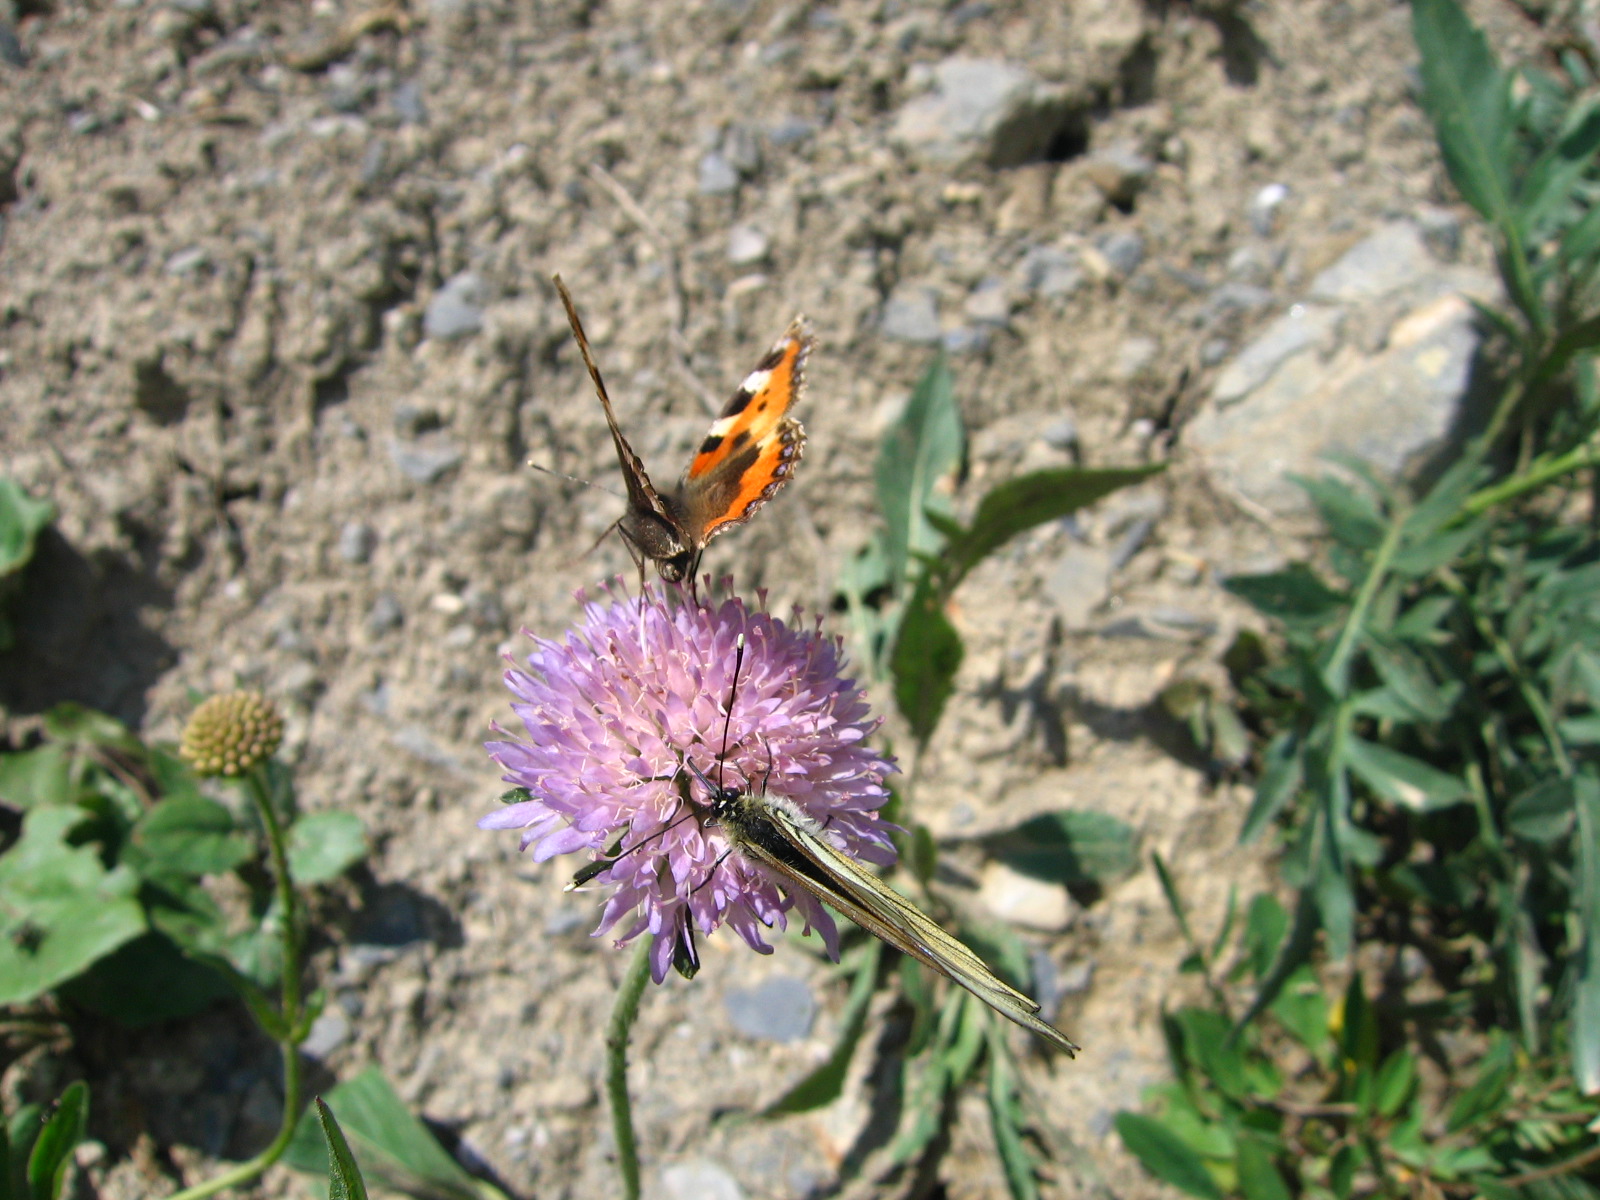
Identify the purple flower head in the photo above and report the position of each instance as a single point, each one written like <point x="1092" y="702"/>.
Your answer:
<point x="614" y="712"/>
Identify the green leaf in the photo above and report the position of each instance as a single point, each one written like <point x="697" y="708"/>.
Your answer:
<point x="52" y="1152"/>
<point x="927" y="654"/>
<point x="1259" y="1177"/>
<point x="1549" y="183"/>
<point x="344" y="1177"/>
<point x="1020" y="504"/>
<point x="1165" y="1156"/>
<point x="60" y="909"/>
<point x="1586" y="914"/>
<point x="922" y="449"/>
<point x="1264" y="927"/>
<point x="1352" y="516"/>
<point x="1304" y="1010"/>
<point x="392" y="1147"/>
<point x="1294" y="595"/>
<point x="1282" y="772"/>
<point x="826" y="1084"/>
<point x="21" y="520"/>
<point x="1401" y="778"/>
<point x="42" y="775"/>
<point x="145" y="980"/>
<point x="1397" y="1080"/>
<point x="1543" y="813"/>
<point x="1478" y="1101"/>
<point x="1070" y="847"/>
<point x="324" y="845"/>
<point x="1007" y="1120"/>
<point x="190" y="835"/>
<point x="1469" y="99"/>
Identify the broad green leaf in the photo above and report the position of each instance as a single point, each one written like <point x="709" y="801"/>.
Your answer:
<point x="1020" y="504"/>
<point x="78" y="725"/>
<point x="344" y="1177"/>
<point x="60" y="909"/>
<point x="1166" y="1156"/>
<point x="1581" y="730"/>
<point x="1543" y="813"/>
<point x="52" y="1152"/>
<point x="1408" y="679"/>
<point x="1265" y="925"/>
<point x="1469" y="98"/>
<point x="1072" y="847"/>
<point x="1294" y="595"/>
<point x="145" y="980"/>
<point x="43" y="775"/>
<point x="324" y="845"/>
<point x="1401" y="778"/>
<point x="1259" y="1178"/>
<point x="920" y="451"/>
<point x="21" y="520"/>
<point x="392" y="1147"/>
<point x="1207" y="1044"/>
<point x="1303" y="1008"/>
<point x="190" y="835"/>
<point x="826" y="1084"/>
<point x="927" y="654"/>
<point x="1583" y="239"/>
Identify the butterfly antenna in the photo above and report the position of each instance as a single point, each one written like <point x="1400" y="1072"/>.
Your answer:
<point x="543" y="470"/>
<point x="727" y="719"/>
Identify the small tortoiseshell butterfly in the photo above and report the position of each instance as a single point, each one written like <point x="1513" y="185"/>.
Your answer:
<point x="750" y="452"/>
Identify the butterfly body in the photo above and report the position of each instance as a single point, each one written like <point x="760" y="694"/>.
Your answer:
<point x="749" y="453"/>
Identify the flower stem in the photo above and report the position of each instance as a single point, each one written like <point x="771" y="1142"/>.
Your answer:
<point x="292" y="1026"/>
<point x="623" y="1016"/>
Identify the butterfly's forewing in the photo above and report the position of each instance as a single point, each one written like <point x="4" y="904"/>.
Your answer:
<point x="783" y="841"/>
<point x="754" y="445"/>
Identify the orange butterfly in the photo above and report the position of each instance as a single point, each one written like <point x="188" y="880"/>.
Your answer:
<point x="750" y="451"/>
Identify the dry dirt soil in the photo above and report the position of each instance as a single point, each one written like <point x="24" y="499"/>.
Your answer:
<point x="225" y="226"/>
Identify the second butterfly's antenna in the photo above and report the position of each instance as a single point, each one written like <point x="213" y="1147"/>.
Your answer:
<point x="727" y="718"/>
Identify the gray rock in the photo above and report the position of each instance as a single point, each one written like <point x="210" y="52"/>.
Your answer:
<point x="1078" y="583"/>
<point x="187" y="261"/>
<point x="989" y="303"/>
<point x="1119" y="171"/>
<point x="779" y="1009"/>
<point x="424" y="462"/>
<point x="983" y="108"/>
<point x="911" y="314"/>
<point x="1134" y="355"/>
<point x="966" y="339"/>
<point x="1061" y="433"/>
<point x="717" y="176"/>
<point x="1124" y="250"/>
<point x="11" y="49"/>
<point x="1232" y="297"/>
<point x="746" y="245"/>
<point x="406" y="100"/>
<point x="329" y="1031"/>
<point x="385" y="614"/>
<point x="1389" y="260"/>
<point x="789" y="131"/>
<point x="1051" y="272"/>
<point x="357" y="541"/>
<point x="1395" y="410"/>
<point x="1305" y="327"/>
<point x="456" y="310"/>
<point x="700" y="1179"/>
<point x="741" y="146"/>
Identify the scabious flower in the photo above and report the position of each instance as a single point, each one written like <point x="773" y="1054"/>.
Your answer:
<point x="612" y="714"/>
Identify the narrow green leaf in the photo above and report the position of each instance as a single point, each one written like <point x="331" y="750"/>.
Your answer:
<point x="1281" y="775"/>
<point x="919" y="452"/>
<point x="927" y="654"/>
<point x="1402" y="779"/>
<point x="1479" y="1099"/>
<point x="1549" y="183"/>
<point x="344" y="1176"/>
<point x="324" y="845"/>
<point x="826" y="1084"/>
<point x="1396" y="1082"/>
<point x="1169" y="889"/>
<point x="1020" y="504"/>
<point x="1543" y="813"/>
<point x="1586" y="997"/>
<point x="1072" y="847"/>
<point x="1469" y="98"/>
<point x="1294" y="595"/>
<point x="391" y="1145"/>
<point x="1582" y="240"/>
<point x="1303" y="1008"/>
<point x="1352" y="516"/>
<point x="52" y="1153"/>
<point x="1007" y="1120"/>
<point x="1259" y="1177"/>
<point x="1166" y="1156"/>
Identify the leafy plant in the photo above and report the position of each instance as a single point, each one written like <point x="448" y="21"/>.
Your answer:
<point x="1336" y="1097"/>
<point x="36" y="1145"/>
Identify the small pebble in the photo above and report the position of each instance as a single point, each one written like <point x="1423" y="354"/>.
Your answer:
<point x="747" y="245"/>
<point x="456" y="309"/>
<point x="385" y="614"/>
<point x="717" y="175"/>
<point x="357" y="540"/>
<point x="1264" y="206"/>
<point x="1123" y="250"/>
<point x="911" y="315"/>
